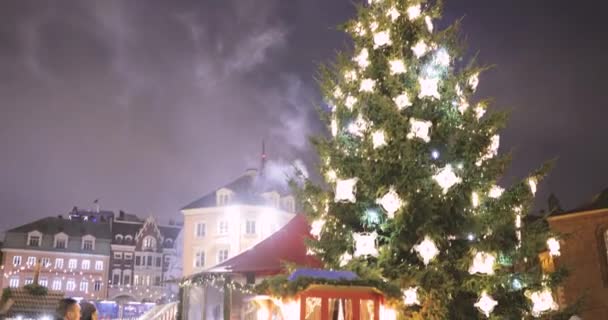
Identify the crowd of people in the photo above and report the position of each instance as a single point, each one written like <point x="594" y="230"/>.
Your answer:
<point x="70" y="309"/>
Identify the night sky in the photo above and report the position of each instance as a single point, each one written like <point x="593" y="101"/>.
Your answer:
<point x="147" y="105"/>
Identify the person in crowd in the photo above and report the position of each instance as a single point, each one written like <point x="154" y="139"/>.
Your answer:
<point x="68" y="309"/>
<point x="88" y="311"/>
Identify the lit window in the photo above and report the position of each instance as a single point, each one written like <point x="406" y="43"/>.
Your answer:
<point x="199" y="261"/>
<point x="250" y="227"/>
<point x="87" y="245"/>
<point x="126" y="278"/>
<point x="34" y="241"/>
<point x="72" y="264"/>
<point x="58" y="263"/>
<point x="99" y="265"/>
<point x="201" y="230"/>
<point x="149" y="243"/>
<point x="31" y="261"/>
<point x="86" y="264"/>
<point x="56" y="285"/>
<point x="45" y="262"/>
<point x="118" y="238"/>
<point x="70" y="285"/>
<point x="117" y="255"/>
<point x="84" y="286"/>
<point x="116" y="277"/>
<point x="28" y="281"/>
<point x="222" y="228"/>
<point x="43" y="282"/>
<point x="136" y="280"/>
<point x="222" y="255"/>
<point x="14" y="282"/>
<point x="97" y="285"/>
<point x="17" y="260"/>
<point x="128" y="256"/>
<point x="61" y="241"/>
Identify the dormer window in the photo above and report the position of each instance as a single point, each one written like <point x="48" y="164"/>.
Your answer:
<point x="289" y="204"/>
<point x="118" y="238"/>
<point x="273" y="198"/>
<point x="34" y="239"/>
<point x="128" y="238"/>
<point x="149" y="243"/>
<point x="61" y="241"/>
<point x="224" y="197"/>
<point x="88" y="243"/>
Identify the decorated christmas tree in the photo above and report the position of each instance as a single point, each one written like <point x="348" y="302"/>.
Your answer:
<point x="412" y="172"/>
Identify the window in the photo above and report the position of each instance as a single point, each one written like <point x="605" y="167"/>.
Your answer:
<point x="158" y="261"/>
<point x="136" y="280"/>
<point x="157" y="281"/>
<point x="201" y="230"/>
<point x="28" y="281"/>
<point x="167" y="260"/>
<point x="97" y="285"/>
<point x="31" y="261"/>
<point x="149" y="261"/>
<point x="128" y="239"/>
<point x="59" y="263"/>
<point x="60" y="244"/>
<point x="44" y="282"/>
<point x="128" y="256"/>
<point x="137" y="260"/>
<point x="34" y="240"/>
<point x="222" y="255"/>
<point x="99" y="265"/>
<point x="72" y="264"/>
<point x="45" y="262"/>
<point x="222" y="227"/>
<point x="70" y="285"/>
<point x="86" y="264"/>
<point x="117" y="255"/>
<point x="87" y="245"/>
<point x="17" y="260"/>
<point x="56" y="285"/>
<point x="14" y="282"/>
<point x="250" y="227"/>
<point x="115" y="277"/>
<point x="199" y="261"/>
<point x="126" y="279"/>
<point x="149" y="243"/>
<point x="84" y="286"/>
<point x="289" y="204"/>
<point x="223" y="197"/>
<point x="118" y="238"/>
<point x="61" y="241"/>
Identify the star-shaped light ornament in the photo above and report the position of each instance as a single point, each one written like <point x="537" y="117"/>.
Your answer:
<point x="542" y="301"/>
<point x="360" y="29"/>
<point x="350" y="102"/>
<point x="483" y="263"/>
<point x="367" y="85"/>
<point x="410" y="296"/>
<point x="429" y="23"/>
<point x="345" y="259"/>
<point x="496" y="192"/>
<point x="331" y="175"/>
<point x="420" y="129"/>
<point x="429" y="87"/>
<point x="393" y="13"/>
<point x="463" y="105"/>
<point x="480" y="111"/>
<point x="427" y="250"/>
<point x="486" y="304"/>
<point x="442" y="57"/>
<point x="316" y="227"/>
<point x="365" y="244"/>
<point x="474" y="81"/>
<point x="378" y="139"/>
<point x="402" y="101"/>
<point x="554" y="247"/>
<point x="446" y="178"/>
<point x="414" y="12"/>
<point x="420" y="49"/>
<point x="373" y="26"/>
<point x="358" y="127"/>
<point x="362" y="59"/>
<point x="338" y="94"/>
<point x="350" y="76"/>
<point x="382" y="38"/>
<point x="397" y="66"/>
<point x="345" y="190"/>
<point x="532" y="182"/>
<point x="391" y="202"/>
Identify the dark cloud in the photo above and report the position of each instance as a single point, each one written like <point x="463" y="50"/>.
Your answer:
<point x="149" y="104"/>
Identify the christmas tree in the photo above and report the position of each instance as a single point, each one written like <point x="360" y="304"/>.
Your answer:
<point x="412" y="170"/>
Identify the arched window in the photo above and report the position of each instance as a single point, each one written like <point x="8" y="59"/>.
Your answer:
<point x="118" y="238"/>
<point x="128" y="238"/>
<point x="168" y="243"/>
<point x="149" y="243"/>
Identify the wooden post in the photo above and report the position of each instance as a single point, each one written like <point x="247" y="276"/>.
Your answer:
<point x="302" y="307"/>
<point x="324" y="309"/>
<point x="356" y="311"/>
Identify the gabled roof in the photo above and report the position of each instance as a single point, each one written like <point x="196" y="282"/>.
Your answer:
<point x="73" y="228"/>
<point x="125" y="228"/>
<point x="269" y="256"/>
<point x="599" y="201"/>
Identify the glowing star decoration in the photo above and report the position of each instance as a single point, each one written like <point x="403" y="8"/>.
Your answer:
<point x="345" y="190"/>
<point x="429" y="87"/>
<point x="345" y="259"/>
<point x="338" y="94"/>
<point x="474" y="81"/>
<point x="420" y="129"/>
<point x="442" y="57"/>
<point x="420" y="49"/>
<point x="483" y="263"/>
<point x="410" y="296"/>
<point x="446" y="178"/>
<point x="365" y="244"/>
<point x="427" y="250"/>
<point x="334" y="127"/>
<point x="360" y="30"/>
<point x="362" y="59"/>
<point x="378" y="139"/>
<point x="463" y="105"/>
<point x="492" y="150"/>
<point x="414" y="12"/>
<point x="316" y="227"/>
<point x="480" y="111"/>
<point x="367" y="85"/>
<point x="403" y="101"/>
<point x="381" y="39"/>
<point x="331" y="175"/>
<point x="475" y="199"/>
<point x="390" y="202"/>
<point x="496" y="192"/>
<point x="350" y="102"/>
<point x="532" y="183"/>
<point x="486" y="304"/>
<point x="542" y="301"/>
<point x="554" y="247"/>
<point x="393" y="13"/>
<point x="429" y="23"/>
<point x="397" y="66"/>
<point x="358" y="127"/>
<point x="350" y="76"/>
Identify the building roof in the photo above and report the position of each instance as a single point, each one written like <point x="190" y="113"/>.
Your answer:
<point x="269" y="256"/>
<point x="247" y="189"/>
<point x="73" y="228"/>
<point x="131" y="228"/>
<point x="22" y="303"/>
<point x="599" y="201"/>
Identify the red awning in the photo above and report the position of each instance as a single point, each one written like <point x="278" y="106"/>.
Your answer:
<point x="271" y="254"/>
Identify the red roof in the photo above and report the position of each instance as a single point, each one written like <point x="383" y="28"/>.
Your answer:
<point x="269" y="256"/>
